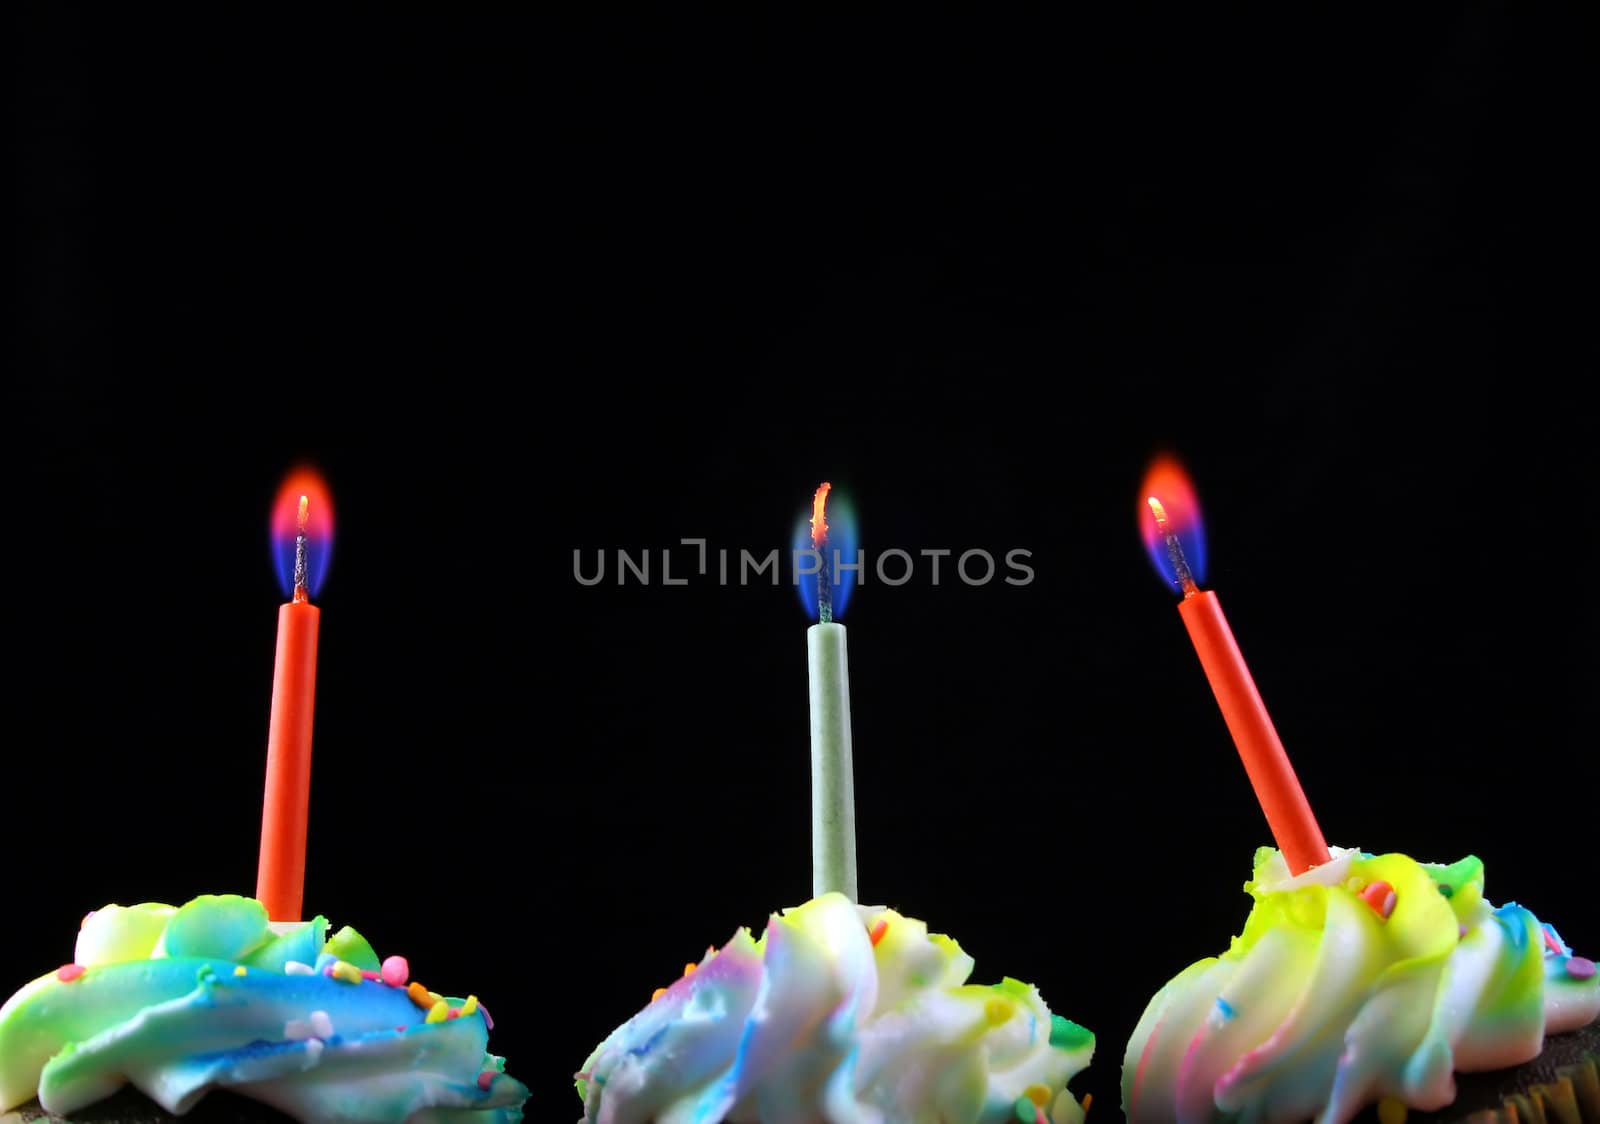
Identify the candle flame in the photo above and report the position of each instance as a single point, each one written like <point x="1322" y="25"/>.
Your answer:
<point x="817" y="541"/>
<point x="1159" y="512"/>
<point x="303" y="507"/>
<point x="1170" y="516"/>
<point x="819" y="516"/>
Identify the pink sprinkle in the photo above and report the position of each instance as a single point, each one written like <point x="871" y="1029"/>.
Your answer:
<point x="455" y="1013"/>
<point x="328" y="971"/>
<point x="69" y="972"/>
<point x="1580" y="967"/>
<point x="1550" y="940"/>
<point x="396" y="971"/>
<point x="399" y="1030"/>
<point x="367" y="974"/>
<point x="485" y="1079"/>
<point x="1039" y="1116"/>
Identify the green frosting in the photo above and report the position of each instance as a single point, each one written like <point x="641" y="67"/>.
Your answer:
<point x="351" y="947"/>
<point x="1068" y="1035"/>
<point x="226" y="927"/>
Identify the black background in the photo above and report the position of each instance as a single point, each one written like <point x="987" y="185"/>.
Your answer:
<point x="536" y="285"/>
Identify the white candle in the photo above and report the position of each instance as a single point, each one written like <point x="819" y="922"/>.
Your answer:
<point x="833" y="795"/>
<point x="833" y="800"/>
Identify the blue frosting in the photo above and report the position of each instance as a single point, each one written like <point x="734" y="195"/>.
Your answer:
<point x="317" y="1047"/>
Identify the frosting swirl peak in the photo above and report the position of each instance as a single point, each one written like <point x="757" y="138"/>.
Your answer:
<point x="177" y="1001"/>
<point x="1369" y="977"/>
<point x="844" y="1013"/>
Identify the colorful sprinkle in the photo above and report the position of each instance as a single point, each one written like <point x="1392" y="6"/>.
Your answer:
<point x="688" y="969"/>
<point x="1380" y="896"/>
<point x="1580" y="967"/>
<point x="345" y="971"/>
<point x="1026" y="1111"/>
<point x="878" y="930"/>
<point x="420" y="995"/>
<point x="455" y="1013"/>
<point x="438" y="1013"/>
<point x="998" y="1010"/>
<point x="1392" y="1110"/>
<point x="69" y="972"/>
<point x="369" y="974"/>
<point x="657" y="994"/>
<point x="470" y="1007"/>
<point x="396" y="971"/>
<point x="1447" y="890"/>
<point x="1088" y="1099"/>
<point x="485" y="1079"/>
<point x="241" y="970"/>
<point x="1038" y="1094"/>
<point x="321" y="1024"/>
<point x="488" y="1019"/>
<point x="314" y="1048"/>
<point x="1550" y="941"/>
<point x="296" y="968"/>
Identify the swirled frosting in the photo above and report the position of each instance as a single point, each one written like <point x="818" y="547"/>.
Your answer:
<point x="843" y="1013"/>
<point x="1368" y="978"/>
<point x="178" y="1001"/>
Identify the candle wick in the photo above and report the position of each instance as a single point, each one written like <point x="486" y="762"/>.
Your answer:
<point x="819" y="543"/>
<point x="824" y="585"/>
<point x="1180" y="564"/>
<point x="301" y="591"/>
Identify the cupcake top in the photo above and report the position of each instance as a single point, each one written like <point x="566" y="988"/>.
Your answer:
<point x="838" y="1012"/>
<point x="177" y="1001"/>
<point x="1371" y="978"/>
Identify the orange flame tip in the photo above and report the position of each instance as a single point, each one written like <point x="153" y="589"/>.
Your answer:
<point x="819" y="516"/>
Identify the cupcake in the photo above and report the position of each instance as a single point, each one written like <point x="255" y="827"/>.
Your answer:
<point x="1368" y="983"/>
<point x="840" y="1013"/>
<point x="177" y="1002"/>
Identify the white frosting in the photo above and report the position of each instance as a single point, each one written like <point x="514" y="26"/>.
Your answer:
<point x="819" y="1022"/>
<point x="1325" y="1004"/>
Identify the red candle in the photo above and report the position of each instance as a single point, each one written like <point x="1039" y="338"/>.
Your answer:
<point x="302" y="533"/>
<point x="1171" y="519"/>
